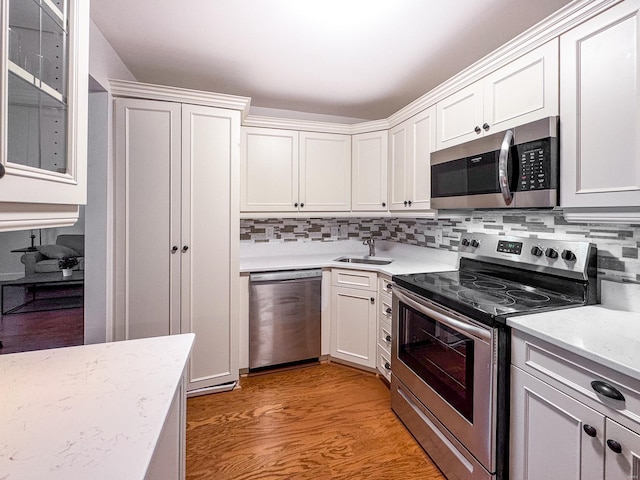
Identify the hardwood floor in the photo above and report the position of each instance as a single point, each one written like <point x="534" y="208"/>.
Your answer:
<point x="23" y="332"/>
<point x="321" y="422"/>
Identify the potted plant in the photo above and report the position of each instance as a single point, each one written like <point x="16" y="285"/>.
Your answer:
<point x="66" y="264"/>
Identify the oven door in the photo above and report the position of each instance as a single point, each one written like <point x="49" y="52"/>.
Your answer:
<point x="449" y="363"/>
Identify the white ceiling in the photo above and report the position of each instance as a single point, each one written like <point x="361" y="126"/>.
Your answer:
<point x="354" y="58"/>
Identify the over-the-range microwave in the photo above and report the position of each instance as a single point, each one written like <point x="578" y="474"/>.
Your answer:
<point x="513" y="169"/>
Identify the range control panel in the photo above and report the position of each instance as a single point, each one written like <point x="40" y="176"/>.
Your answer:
<point x="532" y="253"/>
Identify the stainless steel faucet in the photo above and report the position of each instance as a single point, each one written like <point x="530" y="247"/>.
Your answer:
<point x="372" y="246"/>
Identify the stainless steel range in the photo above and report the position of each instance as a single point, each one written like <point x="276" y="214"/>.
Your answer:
<point x="451" y="345"/>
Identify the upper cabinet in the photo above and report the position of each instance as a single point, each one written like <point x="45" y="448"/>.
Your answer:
<point x="520" y="92"/>
<point x="369" y="154"/>
<point x="410" y="147"/>
<point x="289" y="171"/>
<point x="44" y="88"/>
<point x="600" y="110"/>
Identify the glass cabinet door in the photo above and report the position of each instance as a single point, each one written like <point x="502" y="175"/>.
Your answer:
<point x="44" y="92"/>
<point x="37" y="84"/>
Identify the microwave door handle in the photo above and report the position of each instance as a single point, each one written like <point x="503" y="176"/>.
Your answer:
<point x="503" y="167"/>
<point x="457" y="325"/>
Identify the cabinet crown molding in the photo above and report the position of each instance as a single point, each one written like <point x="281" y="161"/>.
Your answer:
<point x="313" y="126"/>
<point x="125" y="88"/>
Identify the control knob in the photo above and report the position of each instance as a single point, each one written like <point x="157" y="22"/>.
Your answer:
<point x="568" y="255"/>
<point x="475" y="243"/>
<point x="536" y="251"/>
<point x="465" y="242"/>
<point x="551" y="253"/>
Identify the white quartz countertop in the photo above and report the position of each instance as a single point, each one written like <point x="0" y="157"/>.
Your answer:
<point x="406" y="258"/>
<point x="604" y="335"/>
<point x="88" y="412"/>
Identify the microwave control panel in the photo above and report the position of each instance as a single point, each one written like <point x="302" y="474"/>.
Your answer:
<point x="535" y="166"/>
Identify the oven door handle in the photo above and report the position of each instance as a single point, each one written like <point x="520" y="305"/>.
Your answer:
<point x="458" y="325"/>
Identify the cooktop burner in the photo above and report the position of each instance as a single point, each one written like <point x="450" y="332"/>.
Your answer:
<point x="493" y="296"/>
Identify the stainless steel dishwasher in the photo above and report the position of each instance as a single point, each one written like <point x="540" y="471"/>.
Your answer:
<point x="284" y="317"/>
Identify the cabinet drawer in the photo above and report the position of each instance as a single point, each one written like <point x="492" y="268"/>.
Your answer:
<point x="354" y="279"/>
<point x="573" y="374"/>
<point x="385" y="312"/>
<point x="384" y="333"/>
<point x="384" y="284"/>
<point x="384" y="363"/>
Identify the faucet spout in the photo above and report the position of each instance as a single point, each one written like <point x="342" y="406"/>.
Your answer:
<point x="372" y="246"/>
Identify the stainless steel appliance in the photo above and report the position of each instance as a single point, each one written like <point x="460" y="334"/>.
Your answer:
<point x="284" y="317"/>
<point x="513" y="169"/>
<point x="451" y="345"/>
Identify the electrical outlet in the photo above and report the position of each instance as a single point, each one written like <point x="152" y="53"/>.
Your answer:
<point x="344" y="231"/>
<point x="334" y="232"/>
<point x="268" y="232"/>
<point x="438" y="236"/>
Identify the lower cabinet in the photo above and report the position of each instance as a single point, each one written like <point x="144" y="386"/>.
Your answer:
<point x="384" y="326"/>
<point x="560" y="427"/>
<point x="353" y="317"/>
<point x="176" y="230"/>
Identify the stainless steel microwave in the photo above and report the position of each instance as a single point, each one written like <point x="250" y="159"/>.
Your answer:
<point x="513" y="169"/>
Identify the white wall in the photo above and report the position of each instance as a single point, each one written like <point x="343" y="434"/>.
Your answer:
<point x="104" y="63"/>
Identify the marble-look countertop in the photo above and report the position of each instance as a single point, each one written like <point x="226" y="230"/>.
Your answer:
<point x="301" y="255"/>
<point x="603" y="333"/>
<point x="88" y="412"/>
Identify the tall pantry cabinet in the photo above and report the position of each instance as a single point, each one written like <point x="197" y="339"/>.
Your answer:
<point x="177" y="221"/>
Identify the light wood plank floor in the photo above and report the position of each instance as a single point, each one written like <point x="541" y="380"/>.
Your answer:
<point x="321" y="422"/>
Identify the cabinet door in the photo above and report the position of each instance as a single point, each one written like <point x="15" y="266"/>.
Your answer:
<point x="600" y="110"/>
<point x="460" y="116"/>
<point x="209" y="264"/>
<point x="269" y="170"/>
<point x="353" y="325"/>
<point x="626" y="464"/>
<point x="522" y="91"/>
<point x="398" y="157"/>
<point x="370" y="152"/>
<point x="548" y="438"/>
<point x="422" y="129"/>
<point x="325" y="172"/>
<point x="147" y="212"/>
<point x="43" y="100"/>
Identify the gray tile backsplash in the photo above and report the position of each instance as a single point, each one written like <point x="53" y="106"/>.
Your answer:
<point x="618" y="245"/>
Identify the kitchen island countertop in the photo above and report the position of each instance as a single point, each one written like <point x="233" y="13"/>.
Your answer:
<point x="88" y="412"/>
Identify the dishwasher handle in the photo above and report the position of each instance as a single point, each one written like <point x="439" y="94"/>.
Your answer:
<point x="285" y="275"/>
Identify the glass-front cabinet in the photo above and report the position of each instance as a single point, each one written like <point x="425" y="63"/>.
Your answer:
<point x="44" y="101"/>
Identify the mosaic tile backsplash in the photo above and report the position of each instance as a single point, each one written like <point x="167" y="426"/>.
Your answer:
<point x="618" y="245"/>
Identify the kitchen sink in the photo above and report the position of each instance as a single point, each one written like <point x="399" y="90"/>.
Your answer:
<point x="365" y="260"/>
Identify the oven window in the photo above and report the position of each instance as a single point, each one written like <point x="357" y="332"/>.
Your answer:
<point x="441" y="356"/>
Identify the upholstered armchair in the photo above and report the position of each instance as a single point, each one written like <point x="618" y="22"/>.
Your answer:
<point x="45" y="258"/>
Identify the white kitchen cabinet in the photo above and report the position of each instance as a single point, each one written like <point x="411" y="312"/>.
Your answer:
<point x="369" y="163"/>
<point x="325" y="172"/>
<point x="560" y="426"/>
<point x="176" y="248"/>
<point x="384" y="326"/>
<point x="522" y="91"/>
<point x="547" y="437"/>
<point x="269" y="170"/>
<point x="289" y="171"/>
<point x="353" y="317"/>
<point x="410" y="147"/>
<point x="43" y="104"/>
<point x="600" y="110"/>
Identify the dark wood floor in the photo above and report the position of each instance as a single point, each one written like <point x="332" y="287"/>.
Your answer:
<point x="320" y="422"/>
<point x="23" y="332"/>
